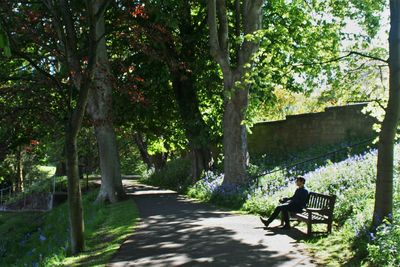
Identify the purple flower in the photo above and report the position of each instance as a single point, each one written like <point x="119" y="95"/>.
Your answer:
<point x="42" y="238"/>
<point x="371" y="236"/>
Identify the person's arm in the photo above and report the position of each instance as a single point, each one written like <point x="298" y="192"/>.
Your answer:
<point x="295" y="195"/>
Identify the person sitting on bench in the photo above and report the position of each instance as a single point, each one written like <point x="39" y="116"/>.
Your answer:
<point x="292" y="204"/>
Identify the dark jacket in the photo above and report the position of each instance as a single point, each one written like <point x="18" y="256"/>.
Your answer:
<point x="299" y="200"/>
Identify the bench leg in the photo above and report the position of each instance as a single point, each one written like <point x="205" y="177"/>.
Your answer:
<point x="309" y="230"/>
<point x="329" y="227"/>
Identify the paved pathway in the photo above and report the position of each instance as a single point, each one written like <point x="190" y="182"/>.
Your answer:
<point x="175" y="231"/>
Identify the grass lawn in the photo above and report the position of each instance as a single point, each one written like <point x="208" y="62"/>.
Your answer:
<point x="337" y="249"/>
<point x="42" y="239"/>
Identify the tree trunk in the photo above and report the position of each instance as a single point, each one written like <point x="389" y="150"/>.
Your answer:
<point x="61" y="169"/>
<point x="159" y="160"/>
<point x="384" y="184"/>
<point x="197" y="131"/>
<point x="81" y="80"/>
<point x="111" y="184"/>
<point x="74" y="194"/>
<point x="100" y="110"/>
<point x="142" y="146"/>
<point x="200" y="160"/>
<point x="235" y="135"/>
<point x="20" y="174"/>
<point x="248" y="18"/>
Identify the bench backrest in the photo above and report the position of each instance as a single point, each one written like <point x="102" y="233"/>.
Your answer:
<point x="321" y="201"/>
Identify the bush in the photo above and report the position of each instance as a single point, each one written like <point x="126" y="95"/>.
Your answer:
<point x="384" y="250"/>
<point x="175" y="175"/>
<point x="210" y="188"/>
<point x="385" y="246"/>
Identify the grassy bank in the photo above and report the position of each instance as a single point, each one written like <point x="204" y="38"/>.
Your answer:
<point x="352" y="180"/>
<point x="41" y="239"/>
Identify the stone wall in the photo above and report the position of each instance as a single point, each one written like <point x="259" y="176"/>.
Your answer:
<point x="299" y="132"/>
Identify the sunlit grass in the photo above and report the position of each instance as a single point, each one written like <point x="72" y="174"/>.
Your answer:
<point x="102" y="242"/>
<point x="44" y="240"/>
<point x="47" y="171"/>
<point x="341" y="248"/>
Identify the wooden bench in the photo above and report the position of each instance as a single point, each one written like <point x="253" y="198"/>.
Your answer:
<point x="319" y="210"/>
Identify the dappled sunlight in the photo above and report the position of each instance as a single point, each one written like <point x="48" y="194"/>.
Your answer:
<point x="174" y="231"/>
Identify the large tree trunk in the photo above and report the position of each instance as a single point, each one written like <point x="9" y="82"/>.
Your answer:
<point x="384" y="184"/>
<point x="111" y="184"/>
<point x="197" y="131"/>
<point x="74" y="193"/>
<point x="247" y="20"/>
<point x="235" y="134"/>
<point x="100" y="110"/>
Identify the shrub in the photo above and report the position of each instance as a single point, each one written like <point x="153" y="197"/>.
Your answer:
<point x="385" y="246"/>
<point x="175" y="175"/>
<point x="211" y="188"/>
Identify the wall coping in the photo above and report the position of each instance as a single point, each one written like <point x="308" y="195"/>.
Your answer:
<point x="302" y="115"/>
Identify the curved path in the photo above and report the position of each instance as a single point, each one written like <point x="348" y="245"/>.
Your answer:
<point x="175" y="231"/>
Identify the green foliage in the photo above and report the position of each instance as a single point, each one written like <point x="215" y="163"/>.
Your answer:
<point x="385" y="246"/>
<point x="149" y="53"/>
<point x="31" y="158"/>
<point x="130" y="160"/>
<point x="44" y="241"/>
<point x="6" y="173"/>
<point x="4" y="43"/>
<point x="303" y="49"/>
<point x="175" y="175"/>
<point x="211" y="188"/>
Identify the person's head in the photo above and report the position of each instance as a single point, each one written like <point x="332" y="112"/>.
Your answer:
<point x="300" y="181"/>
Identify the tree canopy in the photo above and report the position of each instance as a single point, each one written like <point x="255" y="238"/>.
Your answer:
<point x="179" y="79"/>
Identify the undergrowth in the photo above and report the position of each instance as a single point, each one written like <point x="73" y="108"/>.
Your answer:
<point x="44" y="241"/>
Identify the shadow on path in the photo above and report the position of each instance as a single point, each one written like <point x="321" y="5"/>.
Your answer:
<point x="175" y="231"/>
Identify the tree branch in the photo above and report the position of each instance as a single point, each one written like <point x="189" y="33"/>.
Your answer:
<point x="368" y="56"/>
<point x="57" y="24"/>
<point x="71" y="43"/>
<point x="252" y="22"/>
<point x="102" y="9"/>
<point x="223" y="32"/>
<point x="38" y="68"/>
<point x="341" y="58"/>
<point x="215" y="41"/>
<point x="238" y="16"/>
<point x="377" y="101"/>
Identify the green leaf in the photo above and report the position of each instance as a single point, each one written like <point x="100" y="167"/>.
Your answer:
<point x="4" y="44"/>
<point x="7" y="51"/>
